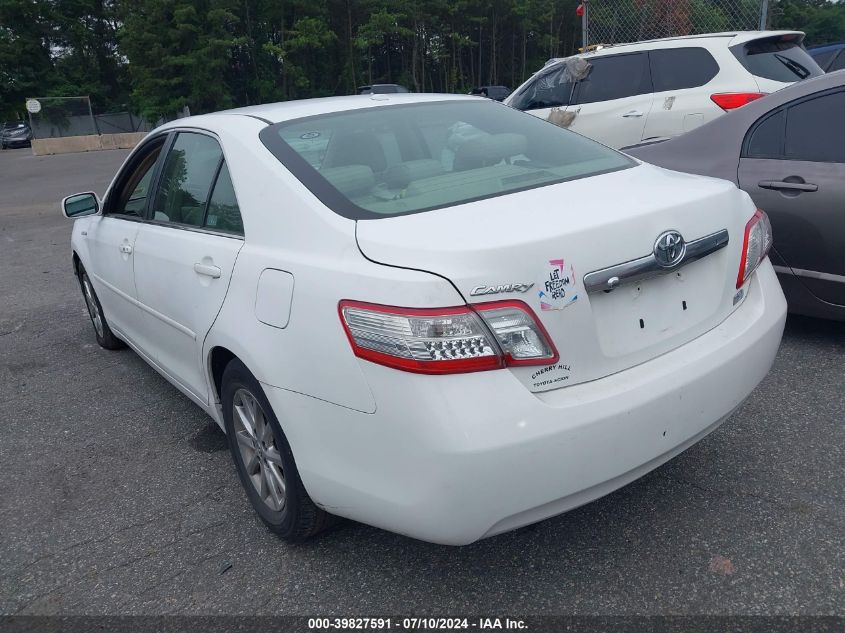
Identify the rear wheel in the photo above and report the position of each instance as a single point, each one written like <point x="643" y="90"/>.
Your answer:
<point x="264" y="460"/>
<point x="103" y="332"/>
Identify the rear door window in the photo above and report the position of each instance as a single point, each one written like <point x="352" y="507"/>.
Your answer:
<point x="679" y="68"/>
<point x="186" y="177"/>
<point x="814" y="130"/>
<point x="224" y="213"/>
<point x="838" y="63"/>
<point x="766" y="140"/>
<point x="823" y="59"/>
<point x="810" y="130"/>
<point x="614" y="77"/>
<point x="777" y="59"/>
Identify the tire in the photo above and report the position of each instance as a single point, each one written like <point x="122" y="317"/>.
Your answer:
<point x="263" y="457"/>
<point x="105" y="337"/>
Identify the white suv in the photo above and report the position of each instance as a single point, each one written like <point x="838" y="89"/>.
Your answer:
<point x="662" y="88"/>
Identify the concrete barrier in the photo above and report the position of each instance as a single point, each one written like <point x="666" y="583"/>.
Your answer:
<point x="89" y="143"/>
<point x="124" y="140"/>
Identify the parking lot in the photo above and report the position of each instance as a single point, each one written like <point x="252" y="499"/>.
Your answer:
<point x="118" y="495"/>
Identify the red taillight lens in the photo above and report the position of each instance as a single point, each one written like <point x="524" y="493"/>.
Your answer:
<point x="733" y="100"/>
<point x="755" y="245"/>
<point x="447" y="340"/>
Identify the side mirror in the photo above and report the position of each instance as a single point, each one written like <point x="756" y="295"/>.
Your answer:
<point x="80" y="204"/>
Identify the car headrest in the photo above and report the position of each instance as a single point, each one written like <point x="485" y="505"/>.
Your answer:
<point x="350" y="180"/>
<point x="489" y="150"/>
<point x="401" y="175"/>
<point x="355" y="148"/>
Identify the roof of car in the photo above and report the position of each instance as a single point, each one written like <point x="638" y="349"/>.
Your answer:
<point x="736" y="37"/>
<point x="288" y="110"/>
<point x="826" y="47"/>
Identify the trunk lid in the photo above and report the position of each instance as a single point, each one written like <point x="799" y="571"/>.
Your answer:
<point x="538" y="245"/>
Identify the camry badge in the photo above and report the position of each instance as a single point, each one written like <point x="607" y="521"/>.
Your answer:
<point x="669" y="249"/>
<point x="494" y="290"/>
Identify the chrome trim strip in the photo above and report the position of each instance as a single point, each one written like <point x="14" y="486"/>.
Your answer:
<point x="173" y="225"/>
<point x="812" y="274"/>
<point x="648" y="266"/>
<point x="146" y="308"/>
<point x="193" y="229"/>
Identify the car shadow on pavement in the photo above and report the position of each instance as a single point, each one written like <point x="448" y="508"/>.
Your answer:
<point x="812" y="329"/>
<point x="209" y="439"/>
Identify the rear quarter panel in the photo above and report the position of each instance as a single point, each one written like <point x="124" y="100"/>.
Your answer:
<point x="288" y="229"/>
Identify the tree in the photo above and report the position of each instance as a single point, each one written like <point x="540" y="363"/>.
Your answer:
<point x="162" y="55"/>
<point x="822" y="21"/>
<point x="180" y="54"/>
<point x="26" y="64"/>
<point x="85" y="55"/>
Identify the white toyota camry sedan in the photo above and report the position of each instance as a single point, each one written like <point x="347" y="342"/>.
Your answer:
<point x="433" y="314"/>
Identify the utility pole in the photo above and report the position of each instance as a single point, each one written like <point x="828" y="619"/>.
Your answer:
<point x="585" y="25"/>
<point x="764" y="14"/>
<point x="94" y="125"/>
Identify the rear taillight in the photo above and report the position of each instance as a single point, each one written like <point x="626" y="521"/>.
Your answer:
<point x="447" y="340"/>
<point x="755" y="245"/>
<point x="521" y="337"/>
<point x="733" y="100"/>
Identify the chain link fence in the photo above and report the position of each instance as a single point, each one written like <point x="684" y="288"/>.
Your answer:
<point x="621" y="21"/>
<point x="54" y="117"/>
<point x="58" y="117"/>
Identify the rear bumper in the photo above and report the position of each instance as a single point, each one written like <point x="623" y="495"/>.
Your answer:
<point x="451" y="459"/>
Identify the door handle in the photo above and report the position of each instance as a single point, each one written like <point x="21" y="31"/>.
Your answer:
<point x="126" y="248"/>
<point x="208" y="270"/>
<point x="633" y="114"/>
<point x="787" y="186"/>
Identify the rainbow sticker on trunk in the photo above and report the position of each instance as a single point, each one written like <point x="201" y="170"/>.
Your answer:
<point x="558" y="288"/>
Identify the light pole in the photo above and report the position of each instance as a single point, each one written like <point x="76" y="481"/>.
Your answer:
<point x="585" y="25"/>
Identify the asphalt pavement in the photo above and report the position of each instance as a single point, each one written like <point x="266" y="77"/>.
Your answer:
<point x="118" y="496"/>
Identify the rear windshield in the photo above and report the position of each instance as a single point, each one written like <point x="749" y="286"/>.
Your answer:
<point x="391" y="160"/>
<point x="777" y="59"/>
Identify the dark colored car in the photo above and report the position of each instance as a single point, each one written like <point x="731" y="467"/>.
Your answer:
<point x="830" y="57"/>
<point x="15" y="134"/>
<point x="787" y="150"/>
<point x="381" y="89"/>
<point x="497" y="93"/>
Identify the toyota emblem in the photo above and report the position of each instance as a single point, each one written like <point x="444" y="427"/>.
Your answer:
<point x="669" y="249"/>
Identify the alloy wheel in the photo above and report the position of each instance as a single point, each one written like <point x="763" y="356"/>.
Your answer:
<point x="258" y="449"/>
<point x="93" y="308"/>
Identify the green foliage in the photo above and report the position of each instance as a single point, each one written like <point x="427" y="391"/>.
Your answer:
<point x="59" y="48"/>
<point x="822" y="21"/>
<point x="180" y="54"/>
<point x="158" y="56"/>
